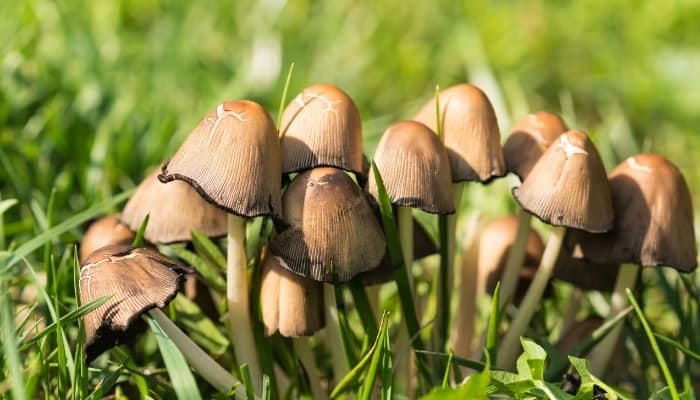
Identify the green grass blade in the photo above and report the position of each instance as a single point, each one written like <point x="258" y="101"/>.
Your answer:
<point x="180" y="375"/>
<point x="283" y="99"/>
<point x="139" y="238"/>
<point x="678" y="346"/>
<point x="387" y="368"/>
<point x="655" y="347"/>
<point x="377" y="358"/>
<point x="208" y="272"/>
<point x="266" y="392"/>
<point x="494" y="323"/>
<point x="464" y="362"/>
<point x="448" y="367"/>
<point x="105" y="386"/>
<point x="442" y="313"/>
<point x="438" y="125"/>
<point x="27" y="248"/>
<point x="364" y="308"/>
<point x="247" y="381"/>
<point x="4" y="206"/>
<point x="345" y="332"/>
<point x="11" y="356"/>
<point x="205" y="247"/>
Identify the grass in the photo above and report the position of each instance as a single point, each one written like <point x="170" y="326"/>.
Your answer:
<point x="93" y="95"/>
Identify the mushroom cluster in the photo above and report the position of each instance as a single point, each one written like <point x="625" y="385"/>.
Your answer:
<point x="310" y="178"/>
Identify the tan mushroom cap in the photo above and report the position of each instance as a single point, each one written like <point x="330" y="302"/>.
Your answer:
<point x="414" y="167"/>
<point x="136" y="279"/>
<point x="321" y="127"/>
<point x="332" y="228"/>
<point x="585" y="275"/>
<point x="529" y="139"/>
<point x="290" y="304"/>
<point x="568" y="186"/>
<point x="174" y="210"/>
<point x="495" y="242"/>
<point x="104" y="232"/>
<point x="470" y="133"/>
<point x="654" y="218"/>
<point x="232" y="158"/>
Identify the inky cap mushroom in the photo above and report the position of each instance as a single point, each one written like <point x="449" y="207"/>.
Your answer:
<point x="529" y="139"/>
<point x="415" y="168"/>
<point x="332" y="229"/>
<point x="103" y="232"/>
<point x="470" y="133"/>
<point x="232" y="158"/>
<point x="174" y="210"/>
<point x="136" y="279"/>
<point x="568" y="186"/>
<point x="321" y="127"/>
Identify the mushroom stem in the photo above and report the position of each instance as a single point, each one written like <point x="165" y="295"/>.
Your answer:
<point x="601" y="353"/>
<point x="510" y="346"/>
<point x="237" y="298"/>
<point x="402" y="376"/>
<point x="200" y="361"/>
<point x="516" y="256"/>
<point x="569" y="317"/>
<point x="306" y="357"/>
<point x="334" y="340"/>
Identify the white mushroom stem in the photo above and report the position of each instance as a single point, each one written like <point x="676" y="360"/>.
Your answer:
<point x="402" y="374"/>
<point x="514" y="263"/>
<point x="200" y="361"/>
<point x="237" y="298"/>
<point x="306" y="356"/>
<point x="333" y="339"/>
<point x="510" y="346"/>
<point x="601" y="353"/>
<point x="569" y="317"/>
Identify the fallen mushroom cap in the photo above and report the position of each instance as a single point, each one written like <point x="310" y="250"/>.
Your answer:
<point x="414" y="167"/>
<point x="333" y="234"/>
<point x="103" y="232"/>
<point x="529" y="139"/>
<point x="568" y="186"/>
<point x="321" y="127"/>
<point x="136" y="279"/>
<point x="654" y="218"/>
<point x="174" y="210"/>
<point x="289" y="303"/>
<point x="232" y="158"/>
<point x="470" y="133"/>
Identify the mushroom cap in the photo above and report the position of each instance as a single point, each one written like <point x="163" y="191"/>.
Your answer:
<point x="414" y="167"/>
<point x="583" y="274"/>
<point x="529" y="139"/>
<point x="232" y="158"/>
<point x="495" y="242"/>
<point x="103" y="232"/>
<point x="470" y="133"/>
<point x="577" y="333"/>
<point x="174" y="210"/>
<point x="289" y="303"/>
<point x="332" y="228"/>
<point x="653" y="218"/>
<point x="321" y="127"/>
<point x="568" y="186"/>
<point x="136" y="279"/>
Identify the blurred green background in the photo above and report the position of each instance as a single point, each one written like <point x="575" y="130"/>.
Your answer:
<point x="95" y="93"/>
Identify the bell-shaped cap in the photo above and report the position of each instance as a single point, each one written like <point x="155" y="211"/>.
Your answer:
<point x="495" y="242"/>
<point x="568" y="186"/>
<point x="653" y="218"/>
<point x="104" y="232"/>
<point x="332" y="233"/>
<point x="232" y="158"/>
<point x="470" y="133"/>
<point x="321" y="127"/>
<point x="289" y="303"/>
<point x="529" y="139"/>
<point x="136" y="279"/>
<point x="583" y="274"/>
<point x="174" y="210"/>
<point x="415" y="169"/>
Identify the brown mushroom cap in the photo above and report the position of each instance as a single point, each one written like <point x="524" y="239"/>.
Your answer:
<point x="470" y="132"/>
<point x="289" y="303"/>
<point x="495" y="242"/>
<point x="414" y="167"/>
<point x="321" y="127"/>
<point x="332" y="229"/>
<point x="577" y="333"/>
<point x="136" y="279"/>
<point x="585" y="275"/>
<point x="104" y="232"/>
<point x="174" y="210"/>
<point x="654" y="218"/>
<point x="232" y="158"/>
<point x="529" y="139"/>
<point x="568" y="186"/>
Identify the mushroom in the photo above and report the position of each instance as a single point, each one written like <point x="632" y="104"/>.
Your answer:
<point x="232" y="158"/>
<point x="567" y="187"/>
<point x="321" y="127"/>
<point x="653" y="227"/>
<point x="103" y="232"/>
<point x="138" y="280"/>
